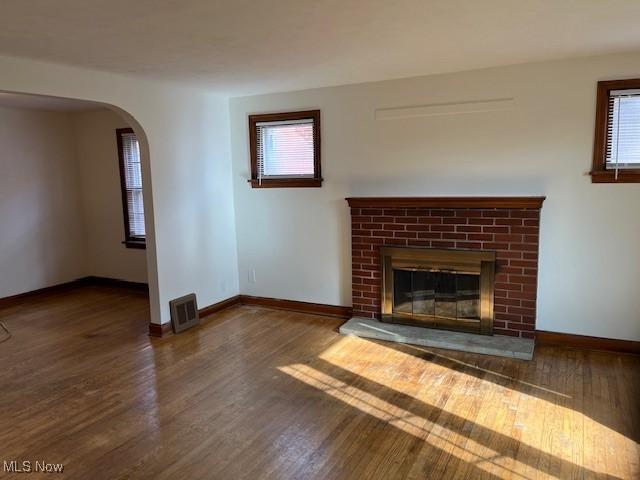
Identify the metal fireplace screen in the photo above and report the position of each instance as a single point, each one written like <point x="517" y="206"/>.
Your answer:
<point x="450" y="289"/>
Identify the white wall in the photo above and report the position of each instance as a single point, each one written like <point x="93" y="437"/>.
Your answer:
<point x="61" y="206"/>
<point x="41" y="236"/>
<point x="189" y="216"/>
<point x="298" y="240"/>
<point x="101" y="199"/>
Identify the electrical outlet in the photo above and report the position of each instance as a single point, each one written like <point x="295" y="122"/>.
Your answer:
<point x="252" y="276"/>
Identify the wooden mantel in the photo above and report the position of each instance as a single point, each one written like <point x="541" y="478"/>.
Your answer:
<point x="446" y="202"/>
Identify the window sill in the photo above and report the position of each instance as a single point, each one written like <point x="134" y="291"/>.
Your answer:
<point x="286" y="183"/>
<point x="140" y="244"/>
<point x="608" y="176"/>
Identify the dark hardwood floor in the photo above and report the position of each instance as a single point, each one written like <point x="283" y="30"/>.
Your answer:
<point x="257" y="393"/>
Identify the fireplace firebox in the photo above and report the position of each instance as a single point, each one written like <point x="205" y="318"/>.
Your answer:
<point x="448" y="289"/>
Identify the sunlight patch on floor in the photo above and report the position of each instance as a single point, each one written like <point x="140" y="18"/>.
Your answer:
<point x="331" y="352"/>
<point x="341" y="356"/>
<point x="519" y="411"/>
<point x="455" y="444"/>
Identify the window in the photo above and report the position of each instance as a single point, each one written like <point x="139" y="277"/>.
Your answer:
<point x="285" y="149"/>
<point x="616" y="151"/>
<point x="131" y="183"/>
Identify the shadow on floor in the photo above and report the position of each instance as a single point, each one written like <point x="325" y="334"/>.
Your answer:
<point x="420" y="421"/>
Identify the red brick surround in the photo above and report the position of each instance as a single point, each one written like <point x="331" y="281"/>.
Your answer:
<point x="508" y="226"/>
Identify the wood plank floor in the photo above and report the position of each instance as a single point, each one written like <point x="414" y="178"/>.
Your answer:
<point x="257" y="393"/>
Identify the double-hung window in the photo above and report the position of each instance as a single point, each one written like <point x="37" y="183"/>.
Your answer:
<point x="285" y="149"/>
<point x="131" y="185"/>
<point x="616" y="153"/>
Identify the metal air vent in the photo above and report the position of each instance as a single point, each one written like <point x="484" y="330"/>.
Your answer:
<point x="184" y="312"/>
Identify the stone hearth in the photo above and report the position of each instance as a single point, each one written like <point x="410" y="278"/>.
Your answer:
<point x="498" y="345"/>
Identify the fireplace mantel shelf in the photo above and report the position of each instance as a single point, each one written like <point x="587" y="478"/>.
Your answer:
<point x="446" y="202"/>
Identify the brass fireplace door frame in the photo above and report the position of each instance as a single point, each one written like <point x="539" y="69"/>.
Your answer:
<point x="455" y="261"/>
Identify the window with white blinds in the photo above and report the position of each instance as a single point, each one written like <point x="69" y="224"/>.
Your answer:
<point x="616" y="144"/>
<point x="623" y="129"/>
<point x="131" y="183"/>
<point x="285" y="149"/>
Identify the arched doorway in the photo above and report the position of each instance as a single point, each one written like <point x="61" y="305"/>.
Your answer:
<point x="64" y="198"/>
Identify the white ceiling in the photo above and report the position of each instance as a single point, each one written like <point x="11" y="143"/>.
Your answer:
<point x="41" y="102"/>
<point x="254" y="46"/>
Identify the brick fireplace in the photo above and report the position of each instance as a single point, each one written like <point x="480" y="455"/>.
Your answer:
<point x="508" y="226"/>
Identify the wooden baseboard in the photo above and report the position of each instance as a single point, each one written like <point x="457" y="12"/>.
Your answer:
<point x="60" y="287"/>
<point x="586" y="342"/>
<point x="296" y="306"/>
<point x="114" y="282"/>
<point x="542" y="337"/>
<point x="216" y="307"/>
<point x="165" y="329"/>
<point x="79" y="282"/>
<point x="290" y="305"/>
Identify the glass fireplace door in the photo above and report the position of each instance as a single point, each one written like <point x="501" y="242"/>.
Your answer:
<point x="437" y="298"/>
